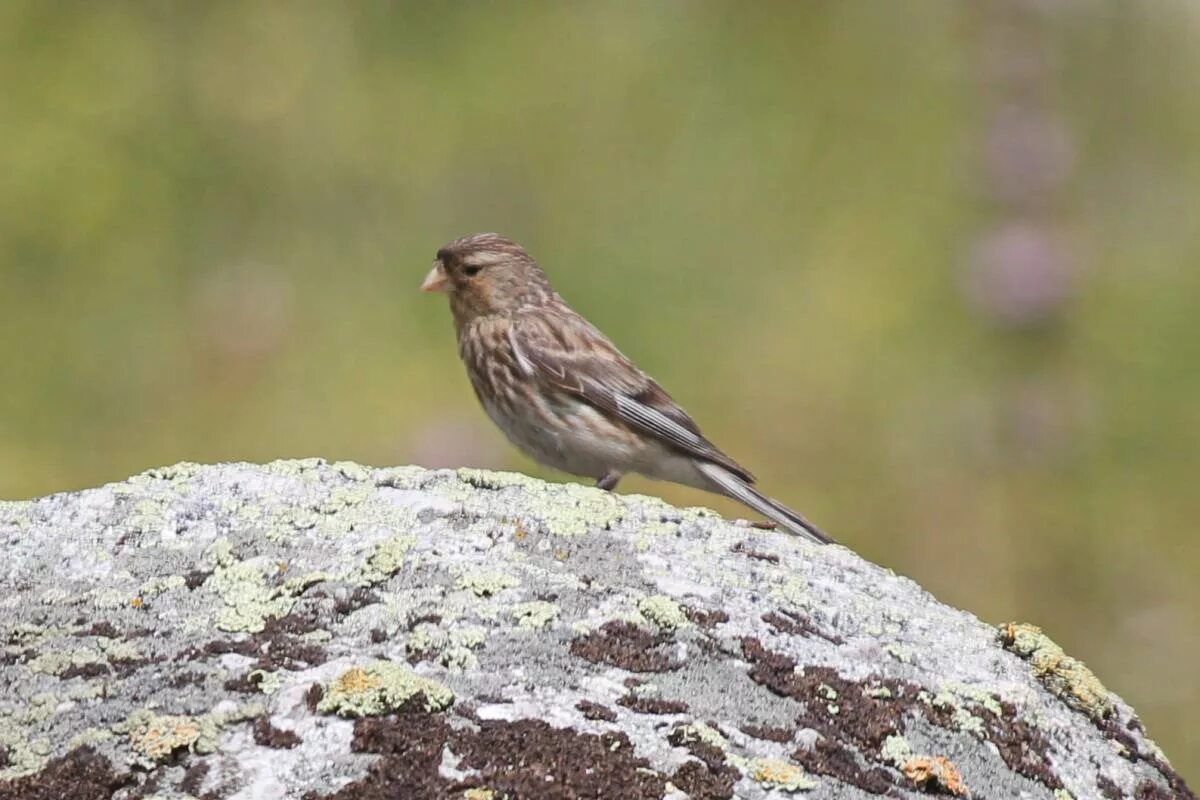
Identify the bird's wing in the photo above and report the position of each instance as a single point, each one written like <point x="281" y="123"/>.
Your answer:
<point x="565" y="352"/>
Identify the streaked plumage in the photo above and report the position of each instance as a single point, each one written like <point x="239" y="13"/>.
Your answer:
<point x="563" y="393"/>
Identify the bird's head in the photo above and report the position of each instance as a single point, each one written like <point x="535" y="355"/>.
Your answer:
<point x="487" y="274"/>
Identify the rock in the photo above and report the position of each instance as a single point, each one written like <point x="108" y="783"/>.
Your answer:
<point x="316" y="630"/>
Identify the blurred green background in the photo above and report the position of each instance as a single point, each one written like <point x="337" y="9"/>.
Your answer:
<point x="930" y="269"/>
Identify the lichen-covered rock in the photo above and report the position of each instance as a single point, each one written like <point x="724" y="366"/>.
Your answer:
<point x="318" y="631"/>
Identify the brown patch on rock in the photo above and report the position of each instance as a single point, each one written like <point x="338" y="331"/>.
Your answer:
<point x="837" y="708"/>
<point x="758" y="555"/>
<point x="410" y="749"/>
<point x="313" y="697"/>
<point x="799" y="625"/>
<point x="103" y="628"/>
<point x="935" y="775"/>
<point x="81" y="774"/>
<point x="625" y="645"/>
<point x="702" y="783"/>
<point x="1109" y="789"/>
<point x="193" y="778"/>
<point x="432" y="619"/>
<point x="244" y="684"/>
<point x="1149" y="790"/>
<point x="711" y="776"/>
<point x="1023" y="747"/>
<point x="91" y="670"/>
<point x="359" y="598"/>
<point x="652" y="705"/>
<point x="1122" y="736"/>
<point x="857" y="715"/>
<point x="707" y="620"/>
<point x="186" y="678"/>
<point x="595" y="711"/>
<point x="835" y="760"/>
<point x="529" y="758"/>
<point x="195" y="579"/>
<point x="768" y="733"/>
<point x="268" y="735"/>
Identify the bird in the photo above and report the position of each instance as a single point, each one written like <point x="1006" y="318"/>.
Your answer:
<point x="563" y="393"/>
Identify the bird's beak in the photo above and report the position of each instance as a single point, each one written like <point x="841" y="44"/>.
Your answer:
<point x="435" y="281"/>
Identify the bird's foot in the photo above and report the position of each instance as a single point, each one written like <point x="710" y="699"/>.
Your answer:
<point x="608" y="481"/>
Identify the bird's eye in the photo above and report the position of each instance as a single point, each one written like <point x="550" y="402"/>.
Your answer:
<point x="471" y="271"/>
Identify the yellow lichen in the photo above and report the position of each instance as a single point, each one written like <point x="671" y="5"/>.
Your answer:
<point x="1067" y="678"/>
<point x="775" y="774"/>
<point x="934" y="773"/>
<point x="157" y="737"/>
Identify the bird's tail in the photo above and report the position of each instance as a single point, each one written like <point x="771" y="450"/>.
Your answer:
<point x="730" y="485"/>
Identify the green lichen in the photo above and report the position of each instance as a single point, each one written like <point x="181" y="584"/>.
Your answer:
<point x="105" y="599"/>
<point x="24" y="757"/>
<point x="489" y="479"/>
<point x="535" y="614"/>
<point x="451" y="649"/>
<point x="341" y="498"/>
<point x="663" y="612"/>
<point x="90" y="737"/>
<point x="379" y="688"/>
<point x="118" y="649"/>
<point x="59" y="661"/>
<point x="176" y="473"/>
<point x="570" y="509"/>
<point x="155" y="737"/>
<point x="385" y="560"/>
<point x="486" y="582"/>
<point x="896" y="750"/>
<point x="355" y="472"/>
<point x="267" y="682"/>
<point x="1065" y="677"/>
<point x="249" y="601"/>
<point x="157" y="586"/>
<point x="959" y="708"/>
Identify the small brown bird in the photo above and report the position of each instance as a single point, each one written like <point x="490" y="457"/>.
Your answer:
<point x="563" y="393"/>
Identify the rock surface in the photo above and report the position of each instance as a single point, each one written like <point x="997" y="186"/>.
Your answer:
<point x="314" y="631"/>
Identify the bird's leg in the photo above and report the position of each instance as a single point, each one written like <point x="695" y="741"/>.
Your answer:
<point x="609" y="480"/>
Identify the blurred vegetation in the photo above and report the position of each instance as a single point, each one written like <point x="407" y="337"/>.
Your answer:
<point x="215" y="216"/>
